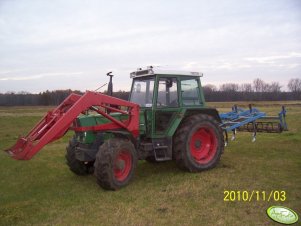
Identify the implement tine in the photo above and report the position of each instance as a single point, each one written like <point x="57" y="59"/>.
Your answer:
<point x="233" y="135"/>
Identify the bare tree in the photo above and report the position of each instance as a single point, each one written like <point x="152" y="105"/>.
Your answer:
<point x="294" y="85"/>
<point x="266" y="87"/>
<point x="275" y="87"/>
<point x="246" y="87"/>
<point x="229" y="87"/>
<point x="23" y="92"/>
<point x="259" y="85"/>
<point x="10" y="92"/>
<point x="209" y="88"/>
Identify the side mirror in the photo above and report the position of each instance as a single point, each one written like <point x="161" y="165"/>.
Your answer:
<point x="168" y="83"/>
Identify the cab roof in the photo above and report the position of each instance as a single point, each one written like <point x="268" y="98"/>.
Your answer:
<point x="155" y="71"/>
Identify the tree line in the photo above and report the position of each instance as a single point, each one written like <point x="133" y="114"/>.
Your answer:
<point x="259" y="90"/>
<point x="46" y="98"/>
<point x="256" y="91"/>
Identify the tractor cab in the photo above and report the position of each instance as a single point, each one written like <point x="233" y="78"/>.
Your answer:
<point x="166" y="89"/>
<point x="164" y="97"/>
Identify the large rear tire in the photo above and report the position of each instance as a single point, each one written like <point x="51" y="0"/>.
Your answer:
<point x="76" y="166"/>
<point x="198" y="143"/>
<point x="115" y="163"/>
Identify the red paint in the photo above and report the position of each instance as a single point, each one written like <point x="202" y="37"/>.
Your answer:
<point x="122" y="165"/>
<point x="57" y="122"/>
<point x="203" y="145"/>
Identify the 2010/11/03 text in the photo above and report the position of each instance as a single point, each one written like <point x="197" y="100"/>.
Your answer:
<point x="254" y="195"/>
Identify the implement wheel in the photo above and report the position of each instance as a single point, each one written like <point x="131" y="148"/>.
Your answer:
<point x="76" y="166"/>
<point x="115" y="163"/>
<point x="198" y="143"/>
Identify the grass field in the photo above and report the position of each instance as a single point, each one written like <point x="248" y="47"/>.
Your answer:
<point x="43" y="191"/>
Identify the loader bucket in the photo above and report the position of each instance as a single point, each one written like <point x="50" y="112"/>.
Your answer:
<point x="16" y="151"/>
<point x="46" y="131"/>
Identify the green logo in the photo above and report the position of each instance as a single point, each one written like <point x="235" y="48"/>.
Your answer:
<point x="282" y="214"/>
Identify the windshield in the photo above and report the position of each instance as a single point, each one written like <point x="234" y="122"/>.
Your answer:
<point x="142" y="92"/>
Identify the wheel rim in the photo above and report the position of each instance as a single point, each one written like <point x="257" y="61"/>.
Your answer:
<point x="123" y="165"/>
<point x="203" y="145"/>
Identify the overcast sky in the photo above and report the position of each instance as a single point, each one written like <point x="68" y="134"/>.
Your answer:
<point x="74" y="43"/>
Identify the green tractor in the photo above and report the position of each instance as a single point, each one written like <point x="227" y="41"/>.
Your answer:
<point x="165" y="119"/>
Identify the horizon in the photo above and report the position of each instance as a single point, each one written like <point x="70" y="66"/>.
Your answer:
<point x="215" y="89"/>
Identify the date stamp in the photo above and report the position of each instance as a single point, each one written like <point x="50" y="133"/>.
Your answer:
<point x="254" y="195"/>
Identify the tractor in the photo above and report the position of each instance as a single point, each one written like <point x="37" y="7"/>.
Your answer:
<point x="165" y="119"/>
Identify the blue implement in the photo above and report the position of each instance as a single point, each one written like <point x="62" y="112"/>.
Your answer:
<point x="252" y="120"/>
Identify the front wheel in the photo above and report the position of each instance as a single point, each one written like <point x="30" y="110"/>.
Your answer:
<point x="198" y="143"/>
<point x="76" y="166"/>
<point x="115" y="163"/>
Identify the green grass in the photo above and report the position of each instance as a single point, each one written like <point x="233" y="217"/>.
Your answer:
<point x="43" y="191"/>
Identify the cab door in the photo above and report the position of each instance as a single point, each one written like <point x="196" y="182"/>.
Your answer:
<point x="166" y="107"/>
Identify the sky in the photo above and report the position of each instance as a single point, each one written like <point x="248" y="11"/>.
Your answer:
<point x="72" y="44"/>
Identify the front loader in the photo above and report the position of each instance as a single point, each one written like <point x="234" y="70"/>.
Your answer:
<point x="165" y="119"/>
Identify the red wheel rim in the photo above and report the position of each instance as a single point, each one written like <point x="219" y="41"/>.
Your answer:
<point x="122" y="165"/>
<point x="203" y="145"/>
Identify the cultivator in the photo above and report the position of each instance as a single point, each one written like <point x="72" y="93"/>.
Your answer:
<point x="252" y="120"/>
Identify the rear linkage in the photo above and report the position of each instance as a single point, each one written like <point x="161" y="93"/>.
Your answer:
<point x="252" y="120"/>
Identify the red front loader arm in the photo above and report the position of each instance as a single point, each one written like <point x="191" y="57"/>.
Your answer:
<point x="56" y="123"/>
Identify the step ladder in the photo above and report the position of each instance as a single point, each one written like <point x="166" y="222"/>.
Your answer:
<point x="161" y="153"/>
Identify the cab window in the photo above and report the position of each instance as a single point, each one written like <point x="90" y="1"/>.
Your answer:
<point x="142" y="92"/>
<point x="167" y="93"/>
<point x="190" y="92"/>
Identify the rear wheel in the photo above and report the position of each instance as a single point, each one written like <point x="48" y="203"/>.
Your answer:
<point x="198" y="143"/>
<point x="115" y="163"/>
<point x="76" y="166"/>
